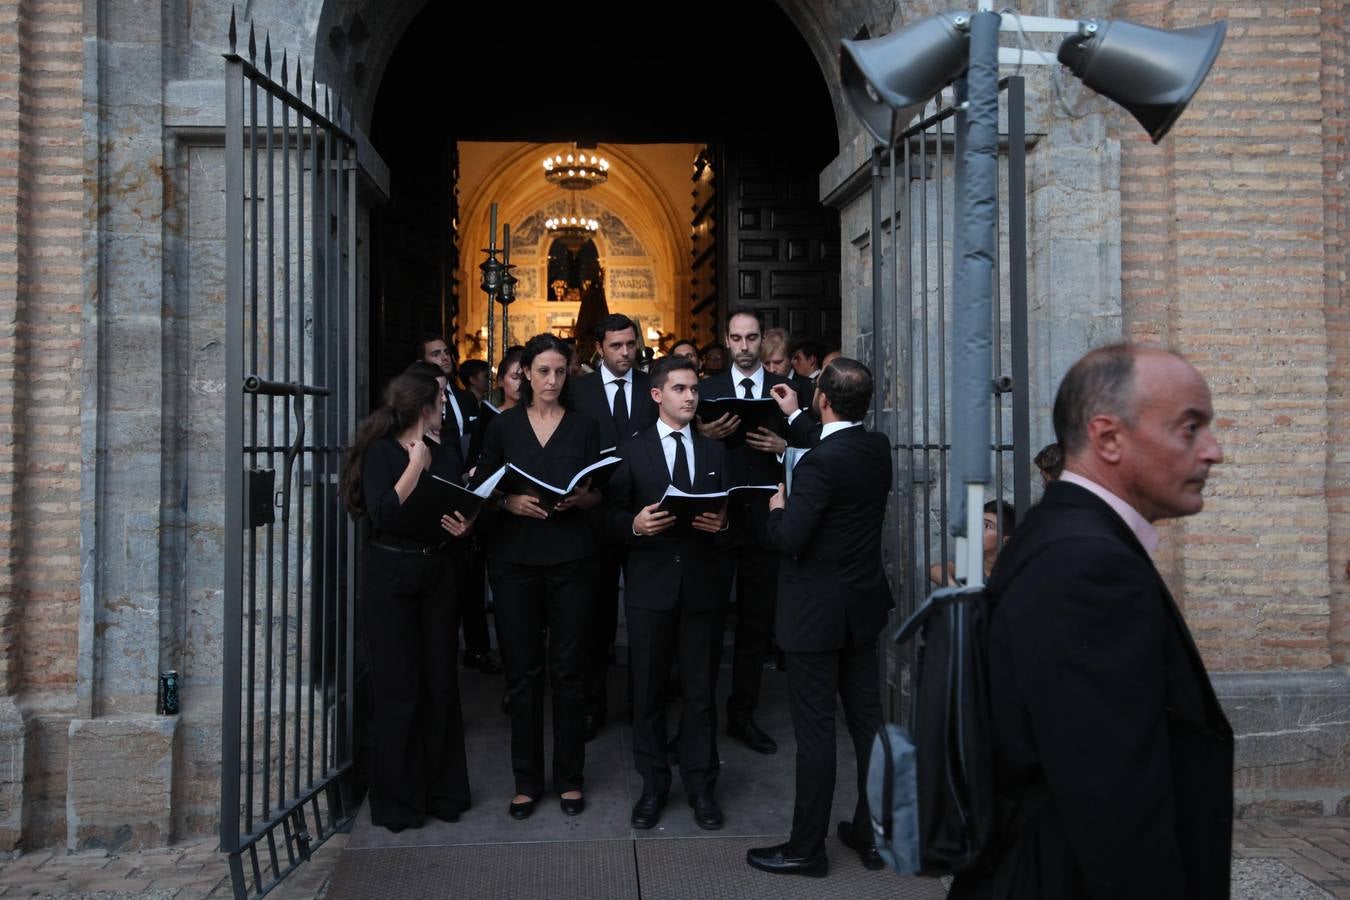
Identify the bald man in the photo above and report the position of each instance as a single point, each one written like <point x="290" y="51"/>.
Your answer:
<point x="1108" y="739"/>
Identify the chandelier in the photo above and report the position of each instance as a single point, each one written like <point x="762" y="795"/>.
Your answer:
<point x="576" y="170"/>
<point x="572" y="231"/>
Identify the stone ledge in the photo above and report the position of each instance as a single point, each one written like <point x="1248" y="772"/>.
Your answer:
<point x="120" y="782"/>
<point x="1292" y="732"/>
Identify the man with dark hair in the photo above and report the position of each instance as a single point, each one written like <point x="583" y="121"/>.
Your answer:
<point x="461" y="413"/>
<point x="833" y="600"/>
<point x="806" y="357"/>
<point x="618" y="397"/>
<point x="1050" y="461"/>
<point x="713" y="360"/>
<point x="673" y="593"/>
<point x="461" y="406"/>
<point x="756" y="461"/>
<point x="473" y="374"/>
<point x="1108" y="741"/>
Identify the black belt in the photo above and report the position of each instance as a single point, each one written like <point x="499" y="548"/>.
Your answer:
<point x="419" y="550"/>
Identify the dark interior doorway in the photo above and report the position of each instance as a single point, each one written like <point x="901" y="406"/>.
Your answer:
<point x="737" y="77"/>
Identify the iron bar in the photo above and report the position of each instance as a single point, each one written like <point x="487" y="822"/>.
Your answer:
<point x="1017" y="290"/>
<point x="234" y="466"/>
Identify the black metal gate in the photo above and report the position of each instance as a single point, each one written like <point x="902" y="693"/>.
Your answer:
<point x="290" y="312"/>
<point x="913" y="230"/>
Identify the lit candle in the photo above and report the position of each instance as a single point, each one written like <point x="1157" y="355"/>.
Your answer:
<point x="492" y="229"/>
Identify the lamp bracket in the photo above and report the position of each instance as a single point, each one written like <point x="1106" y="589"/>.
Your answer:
<point x="1041" y="24"/>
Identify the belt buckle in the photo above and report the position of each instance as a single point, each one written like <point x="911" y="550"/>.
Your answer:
<point x="426" y="551"/>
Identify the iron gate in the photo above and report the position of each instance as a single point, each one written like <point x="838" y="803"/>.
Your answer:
<point x="287" y="730"/>
<point x="912" y="204"/>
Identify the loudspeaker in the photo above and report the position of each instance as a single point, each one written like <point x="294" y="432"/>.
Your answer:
<point x="1151" y="72"/>
<point x="888" y="80"/>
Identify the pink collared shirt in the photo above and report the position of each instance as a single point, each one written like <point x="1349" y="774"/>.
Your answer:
<point x="1142" y="528"/>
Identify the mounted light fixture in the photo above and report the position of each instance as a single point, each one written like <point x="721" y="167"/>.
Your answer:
<point x="576" y="170"/>
<point x="1150" y="72"/>
<point x="573" y="230"/>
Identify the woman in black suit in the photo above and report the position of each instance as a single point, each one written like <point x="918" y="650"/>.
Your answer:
<point x="419" y="767"/>
<point x="539" y="568"/>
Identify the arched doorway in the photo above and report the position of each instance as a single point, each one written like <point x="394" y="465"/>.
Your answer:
<point x="743" y="87"/>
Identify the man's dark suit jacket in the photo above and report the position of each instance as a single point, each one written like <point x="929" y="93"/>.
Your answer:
<point x="1100" y="697"/>
<point x="590" y="397"/>
<point x="832" y="591"/>
<point x="663" y="568"/>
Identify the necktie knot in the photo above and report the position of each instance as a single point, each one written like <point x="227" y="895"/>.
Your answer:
<point x="749" y="385"/>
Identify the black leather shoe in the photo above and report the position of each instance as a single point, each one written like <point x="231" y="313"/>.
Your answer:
<point x="777" y="861"/>
<point x="593" y="723"/>
<point x="647" y="811"/>
<point x="572" y="807"/>
<point x="482" y="662"/>
<point x="707" y="812"/>
<point x="522" y="810"/>
<point x="749" y="732"/>
<point x="867" y="852"/>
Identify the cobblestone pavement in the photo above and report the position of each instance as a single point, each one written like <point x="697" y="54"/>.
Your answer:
<point x="1274" y="859"/>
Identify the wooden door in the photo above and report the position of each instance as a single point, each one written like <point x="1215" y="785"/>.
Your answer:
<point x="779" y="246"/>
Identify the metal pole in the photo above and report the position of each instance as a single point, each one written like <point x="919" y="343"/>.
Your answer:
<point x="234" y="462"/>
<point x="1017" y="288"/>
<point x="972" y="319"/>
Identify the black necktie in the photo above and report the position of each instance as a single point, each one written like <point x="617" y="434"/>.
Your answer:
<point x="749" y="385"/>
<point x="620" y="409"/>
<point x="680" y="476"/>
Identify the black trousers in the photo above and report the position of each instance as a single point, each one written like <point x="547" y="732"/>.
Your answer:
<point x="541" y="622"/>
<point x="472" y="614"/>
<point x="756" y="597"/>
<point x="419" y="766"/>
<point x="813" y="681"/>
<point x="655" y="638"/>
<point x="604" y="625"/>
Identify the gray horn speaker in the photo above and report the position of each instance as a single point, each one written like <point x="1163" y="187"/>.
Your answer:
<point x="1153" y="73"/>
<point x="888" y="80"/>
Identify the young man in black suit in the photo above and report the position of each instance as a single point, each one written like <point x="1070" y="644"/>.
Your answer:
<point x="1101" y="703"/>
<point x="833" y="600"/>
<point x="618" y="397"/>
<point x="755" y="461"/>
<point x="460" y="417"/>
<point x="674" y="590"/>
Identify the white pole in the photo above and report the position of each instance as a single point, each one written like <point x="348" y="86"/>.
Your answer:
<point x="974" y="535"/>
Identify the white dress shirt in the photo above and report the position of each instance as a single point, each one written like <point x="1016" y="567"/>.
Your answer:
<point x="626" y="384"/>
<point x="668" y="447"/>
<point x="831" y="428"/>
<point x="757" y="376"/>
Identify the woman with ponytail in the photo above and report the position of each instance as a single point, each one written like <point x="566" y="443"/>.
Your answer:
<point x="419" y="768"/>
<point x="539" y="568"/>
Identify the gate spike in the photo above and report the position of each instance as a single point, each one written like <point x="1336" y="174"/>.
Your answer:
<point x="313" y="95"/>
<point x="284" y="78"/>
<point x="299" y="82"/>
<point x="267" y="53"/>
<point x="234" y="34"/>
<point x="252" y="45"/>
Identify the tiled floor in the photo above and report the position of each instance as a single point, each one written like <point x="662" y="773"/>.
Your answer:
<point x="1274" y="858"/>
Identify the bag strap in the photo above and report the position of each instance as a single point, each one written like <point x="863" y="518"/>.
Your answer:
<point x="887" y="784"/>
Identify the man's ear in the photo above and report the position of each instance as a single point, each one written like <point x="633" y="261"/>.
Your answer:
<point x="656" y="395"/>
<point x="1105" y="435"/>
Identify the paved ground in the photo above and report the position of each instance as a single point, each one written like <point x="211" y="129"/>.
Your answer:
<point x="487" y="853"/>
<point x="1274" y="859"/>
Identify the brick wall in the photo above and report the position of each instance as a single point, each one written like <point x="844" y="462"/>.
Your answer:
<point x="1335" y="134"/>
<point x="1223" y="257"/>
<point x="9" y="315"/>
<point x="48" y="351"/>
